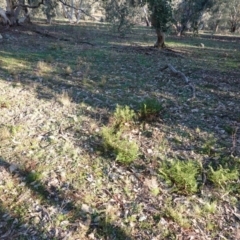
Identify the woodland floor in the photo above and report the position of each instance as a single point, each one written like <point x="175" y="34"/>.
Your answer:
<point x="61" y="84"/>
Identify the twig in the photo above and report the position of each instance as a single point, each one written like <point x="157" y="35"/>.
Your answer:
<point x="233" y="149"/>
<point x="182" y="75"/>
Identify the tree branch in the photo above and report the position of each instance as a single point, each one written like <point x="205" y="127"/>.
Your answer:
<point x="29" y="6"/>
<point x="61" y="1"/>
<point x="78" y="9"/>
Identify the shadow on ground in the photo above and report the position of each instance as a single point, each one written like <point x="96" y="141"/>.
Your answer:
<point x="13" y="226"/>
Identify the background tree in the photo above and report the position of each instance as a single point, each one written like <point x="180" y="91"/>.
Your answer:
<point x="161" y="17"/>
<point x="122" y="14"/>
<point x="14" y="8"/>
<point x="233" y="7"/>
<point x="217" y="14"/>
<point x="224" y="14"/>
<point x="49" y="9"/>
<point x="189" y="13"/>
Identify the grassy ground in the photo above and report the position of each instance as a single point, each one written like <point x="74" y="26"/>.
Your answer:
<point x="98" y="143"/>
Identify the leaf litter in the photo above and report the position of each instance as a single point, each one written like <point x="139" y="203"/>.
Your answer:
<point x="55" y="180"/>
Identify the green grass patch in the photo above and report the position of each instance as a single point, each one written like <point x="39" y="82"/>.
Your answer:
<point x="125" y="151"/>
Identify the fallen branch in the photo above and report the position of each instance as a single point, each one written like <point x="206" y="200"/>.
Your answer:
<point x="182" y="75"/>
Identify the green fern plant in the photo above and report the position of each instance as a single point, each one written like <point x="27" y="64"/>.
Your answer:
<point x="124" y="150"/>
<point x="123" y="114"/>
<point x="177" y="215"/>
<point x="149" y="108"/>
<point x="209" y="146"/>
<point x="181" y="174"/>
<point x="222" y="176"/>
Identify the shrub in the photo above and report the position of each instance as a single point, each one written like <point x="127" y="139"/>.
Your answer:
<point x="149" y="109"/>
<point x="125" y="151"/>
<point x="123" y="115"/>
<point x="182" y="174"/>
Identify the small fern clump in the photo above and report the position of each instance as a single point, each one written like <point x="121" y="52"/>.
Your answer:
<point x="149" y="108"/>
<point x="222" y="176"/>
<point x="125" y="151"/>
<point x="123" y="115"/>
<point x="182" y="174"/>
<point x="177" y="215"/>
<point x="209" y="146"/>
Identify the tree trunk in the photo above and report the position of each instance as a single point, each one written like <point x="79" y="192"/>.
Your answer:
<point x="78" y="12"/>
<point x="72" y="11"/>
<point x="4" y="16"/>
<point x="233" y="27"/>
<point x="216" y="27"/>
<point x="146" y="16"/>
<point x="178" y="28"/>
<point x="147" y="21"/>
<point x="66" y="12"/>
<point x="10" y="12"/>
<point x="65" y="15"/>
<point x="160" y="43"/>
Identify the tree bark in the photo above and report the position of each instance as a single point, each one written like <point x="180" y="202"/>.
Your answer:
<point x="216" y="27"/>
<point x="13" y="11"/>
<point x="233" y="27"/>
<point x="4" y="16"/>
<point x="146" y="16"/>
<point x="78" y="12"/>
<point x="72" y="10"/>
<point x="160" y="43"/>
<point x="10" y="12"/>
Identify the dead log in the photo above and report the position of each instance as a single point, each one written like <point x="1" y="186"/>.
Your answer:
<point x="183" y="76"/>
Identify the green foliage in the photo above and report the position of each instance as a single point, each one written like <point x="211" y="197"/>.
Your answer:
<point x="123" y="114"/>
<point x="33" y="176"/>
<point x="149" y="108"/>
<point x="210" y="207"/>
<point x="177" y="216"/>
<point x="229" y="129"/>
<point x="49" y="9"/>
<point x="125" y="151"/>
<point x="161" y="13"/>
<point x="187" y="13"/>
<point x="209" y="146"/>
<point x="222" y="176"/>
<point x="7" y="132"/>
<point x="49" y="59"/>
<point x="183" y="174"/>
<point x="120" y="14"/>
